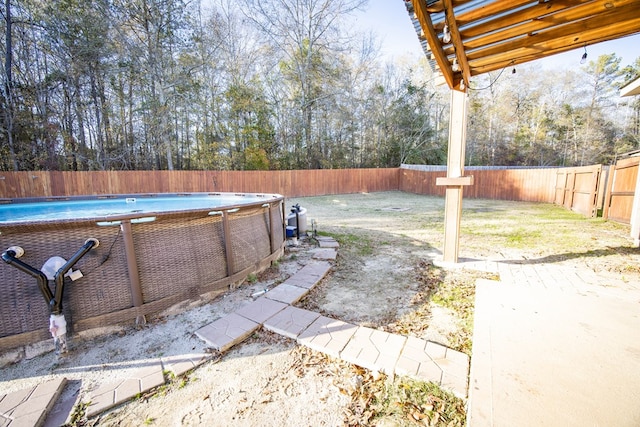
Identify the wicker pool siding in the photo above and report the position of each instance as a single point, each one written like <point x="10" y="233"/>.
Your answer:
<point x="178" y="256"/>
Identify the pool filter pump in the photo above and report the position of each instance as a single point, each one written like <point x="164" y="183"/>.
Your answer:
<point x="54" y="270"/>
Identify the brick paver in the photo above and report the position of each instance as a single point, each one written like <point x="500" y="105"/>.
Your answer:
<point x="328" y="254"/>
<point x="328" y="244"/>
<point x="286" y="293"/>
<point x="302" y="281"/>
<point x="29" y="407"/>
<point x="373" y="349"/>
<point x="309" y="275"/>
<point x="261" y="309"/>
<point x="182" y="363"/>
<point x="327" y="335"/>
<point x="227" y="331"/>
<point x="316" y="269"/>
<point x="291" y="321"/>
<point x="110" y="395"/>
<point x="433" y="362"/>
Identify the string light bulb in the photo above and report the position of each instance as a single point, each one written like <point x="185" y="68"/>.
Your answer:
<point x="584" y="55"/>
<point x="446" y="34"/>
<point x="455" y="67"/>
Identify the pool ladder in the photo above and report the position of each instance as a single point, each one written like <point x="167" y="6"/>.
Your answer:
<point x="57" y="322"/>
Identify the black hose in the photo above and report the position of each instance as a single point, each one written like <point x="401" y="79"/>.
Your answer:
<point x="9" y="256"/>
<point x="56" y="303"/>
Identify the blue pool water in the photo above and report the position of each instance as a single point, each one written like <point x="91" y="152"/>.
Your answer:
<point x="98" y="208"/>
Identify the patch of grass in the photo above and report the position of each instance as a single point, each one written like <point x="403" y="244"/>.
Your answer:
<point x="457" y="292"/>
<point x="149" y="421"/>
<point x="376" y="399"/>
<point x="252" y="278"/>
<point x="454" y="290"/>
<point x="536" y="229"/>
<point x="77" y="416"/>
<point x="360" y="244"/>
<point x="409" y="402"/>
<point x="521" y="236"/>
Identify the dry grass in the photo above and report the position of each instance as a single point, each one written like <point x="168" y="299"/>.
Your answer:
<point x="375" y="399"/>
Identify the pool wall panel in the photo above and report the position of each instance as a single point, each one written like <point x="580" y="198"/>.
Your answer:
<point x="249" y="237"/>
<point x="179" y="257"/>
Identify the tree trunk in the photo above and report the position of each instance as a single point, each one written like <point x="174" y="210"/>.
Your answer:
<point x="8" y="89"/>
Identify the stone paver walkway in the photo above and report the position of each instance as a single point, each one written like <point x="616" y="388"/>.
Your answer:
<point x="109" y="395"/>
<point x="369" y="348"/>
<point x="28" y="407"/>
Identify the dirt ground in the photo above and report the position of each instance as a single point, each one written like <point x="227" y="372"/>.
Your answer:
<point x="379" y="281"/>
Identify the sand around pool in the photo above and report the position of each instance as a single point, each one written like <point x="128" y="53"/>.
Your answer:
<point x="270" y="381"/>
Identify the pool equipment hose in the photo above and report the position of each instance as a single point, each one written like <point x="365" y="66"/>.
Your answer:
<point x="296" y="210"/>
<point x="57" y="322"/>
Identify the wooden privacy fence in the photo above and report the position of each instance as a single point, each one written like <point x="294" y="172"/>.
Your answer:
<point x="574" y="188"/>
<point x="530" y="185"/>
<point x="290" y="183"/>
<point x="621" y="190"/>
<point x="577" y="189"/>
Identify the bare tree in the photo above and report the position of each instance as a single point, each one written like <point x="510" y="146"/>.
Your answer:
<point x="306" y="32"/>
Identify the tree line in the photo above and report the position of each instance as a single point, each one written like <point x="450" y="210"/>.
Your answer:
<point x="272" y="84"/>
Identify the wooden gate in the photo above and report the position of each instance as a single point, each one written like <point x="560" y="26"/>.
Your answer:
<point x="621" y="190"/>
<point x="577" y="189"/>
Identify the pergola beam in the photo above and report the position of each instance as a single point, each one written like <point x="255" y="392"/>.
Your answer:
<point x="420" y="8"/>
<point x="460" y="53"/>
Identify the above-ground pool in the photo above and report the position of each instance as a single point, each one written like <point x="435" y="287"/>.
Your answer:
<point x="155" y="251"/>
<point x="75" y="208"/>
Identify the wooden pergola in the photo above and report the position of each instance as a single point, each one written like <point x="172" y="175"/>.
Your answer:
<point x="465" y="38"/>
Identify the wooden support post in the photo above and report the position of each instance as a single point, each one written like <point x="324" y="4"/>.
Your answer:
<point x="455" y="169"/>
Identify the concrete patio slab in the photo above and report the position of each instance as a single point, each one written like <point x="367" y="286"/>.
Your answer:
<point x="182" y="363"/>
<point x="374" y="350"/>
<point x="429" y="361"/>
<point x="286" y="293"/>
<point x="113" y="394"/>
<point x="552" y="357"/>
<point x="327" y="335"/>
<point x="261" y="309"/>
<point x="291" y="321"/>
<point x="227" y="331"/>
<point x="28" y="407"/>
